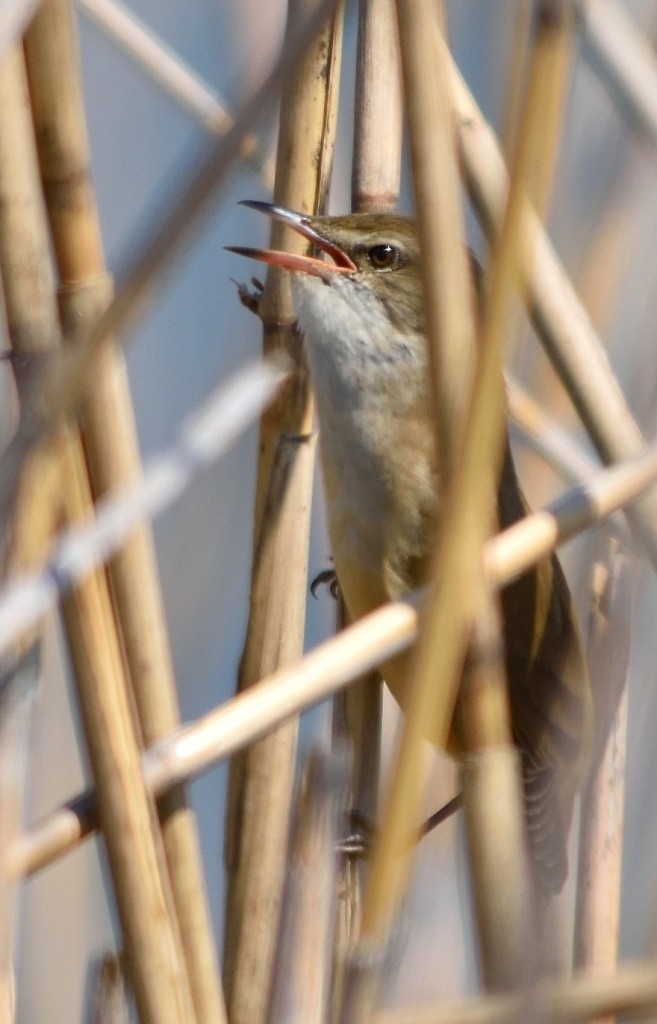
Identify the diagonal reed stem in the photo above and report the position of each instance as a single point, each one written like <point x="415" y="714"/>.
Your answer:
<point x="333" y="664"/>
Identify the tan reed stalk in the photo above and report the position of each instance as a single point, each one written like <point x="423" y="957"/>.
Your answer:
<point x="127" y="815"/>
<point x="126" y="811"/>
<point x="261" y="780"/>
<point x="492" y="800"/>
<point x="541" y="432"/>
<point x="31" y="534"/>
<point x="56" y="389"/>
<point x="605" y="270"/>
<point x="491" y="779"/>
<point x="301" y="989"/>
<point x="107" y="1001"/>
<point x="623" y="59"/>
<point x="450" y="329"/>
<point x="458" y="595"/>
<point x="331" y="665"/>
<point x="18" y="687"/>
<point x="515" y="83"/>
<point x="446" y="276"/>
<point x="376" y="168"/>
<point x="632" y="992"/>
<point x="558" y="316"/>
<point x="113" y="459"/>
<point x="597" y="913"/>
<point x="17" y="18"/>
<point x="375" y="182"/>
<point x="450" y="322"/>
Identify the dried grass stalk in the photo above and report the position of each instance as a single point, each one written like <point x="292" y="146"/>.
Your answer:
<point x="448" y="293"/>
<point x="450" y="327"/>
<point x="546" y="438"/>
<point x="491" y="790"/>
<point x="624" y="61"/>
<point x="107" y="999"/>
<point x="492" y="785"/>
<point x="302" y="977"/>
<point x="333" y="664"/>
<point x="378" y="111"/>
<point x="125" y="808"/>
<point x="113" y="457"/>
<point x="603" y="799"/>
<point x="201" y="438"/>
<point x="19" y="680"/>
<point x="56" y="388"/>
<point x="561" y="322"/>
<point x="459" y="592"/>
<point x="261" y="781"/>
<point x="158" y="972"/>
<point x="376" y="174"/>
<point x="633" y="991"/>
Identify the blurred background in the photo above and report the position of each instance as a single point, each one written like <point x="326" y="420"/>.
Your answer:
<point x="195" y="332"/>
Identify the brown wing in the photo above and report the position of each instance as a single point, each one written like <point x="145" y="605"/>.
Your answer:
<point x="549" y="697"/>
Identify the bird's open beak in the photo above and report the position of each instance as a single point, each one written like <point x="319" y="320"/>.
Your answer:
<point x="341" y="264"/>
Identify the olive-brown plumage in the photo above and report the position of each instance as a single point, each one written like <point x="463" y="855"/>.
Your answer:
<point x="363" y="320"/>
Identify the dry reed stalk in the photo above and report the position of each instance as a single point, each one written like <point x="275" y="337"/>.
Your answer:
<point x="107" y="1000"/>
<point x="56" y="388"/>
<point x="153" y="945"/>
<point x="201" y="438"/>
<point x="605" y="271"/>
<point x="376" y="175"/>
<point x="356" y="722"/>
<point x="174" y="76"/>
<point x="623" y="59"/>
<point x="113" y="458"/>
<point x="541" y="432"/>
<point x="376" y="168"/>
<point x="458" y="594"/>
<point x="15" y="19"/>
<point x="514" y="87"/>
<point x="333" y="664"/>
<point x="491" y="777"/>
<point x="18" y="688"/>
<point x="603" y="799"/>
<point x="301" y="992"/>
<point x="447" y="285"/>
<point x="557" y="449"/>
<point x="632" y="992"/>
<point x="262" y="779"/>
<point x="126" y="811"/>
<point x="451" y="328"/>
<point x="559" y="318"/>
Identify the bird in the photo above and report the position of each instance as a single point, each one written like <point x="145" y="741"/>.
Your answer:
<point x="360" y="308"/>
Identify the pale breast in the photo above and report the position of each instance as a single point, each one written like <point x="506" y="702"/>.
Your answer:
<point x="376" y="440"/>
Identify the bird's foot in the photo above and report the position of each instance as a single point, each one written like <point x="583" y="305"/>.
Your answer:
<point x="329" y="579"/>
<point x="250" y="298"/>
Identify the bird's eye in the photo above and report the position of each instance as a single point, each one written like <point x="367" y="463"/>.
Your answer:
<point x="383" y="257"/>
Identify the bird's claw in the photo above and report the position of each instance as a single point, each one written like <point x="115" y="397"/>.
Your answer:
<point x="328" y="578"/>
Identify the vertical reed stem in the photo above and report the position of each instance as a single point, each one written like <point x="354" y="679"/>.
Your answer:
<point x="262" y="779"/>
